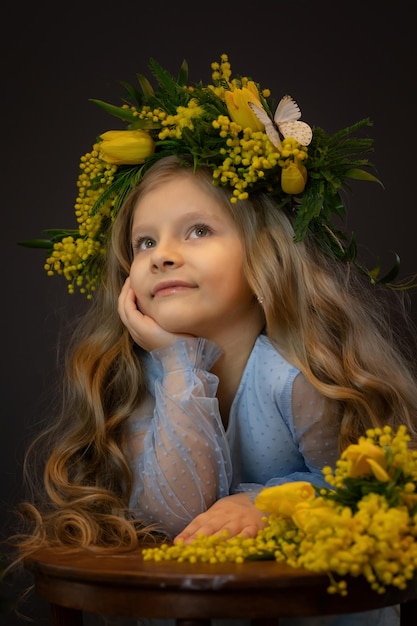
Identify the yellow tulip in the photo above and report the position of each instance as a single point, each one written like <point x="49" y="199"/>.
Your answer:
<point x="283" y="500"/>
<point x="125" y="147"/>
<point x="307" y="518"/>
<point x="365" y="459"/>
<point x="312" y="519"/>
<point x="238" y="108"/>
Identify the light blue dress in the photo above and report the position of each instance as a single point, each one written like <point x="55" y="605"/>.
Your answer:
<point x="280" y="429"/>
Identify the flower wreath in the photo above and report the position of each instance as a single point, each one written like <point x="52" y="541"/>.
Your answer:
<point x="228" y="127"/>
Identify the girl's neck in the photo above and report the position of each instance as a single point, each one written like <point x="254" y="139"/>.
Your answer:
<point x="229" y="369"/>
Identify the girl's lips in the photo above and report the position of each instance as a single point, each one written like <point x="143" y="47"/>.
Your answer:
<point x="170" y="287"/>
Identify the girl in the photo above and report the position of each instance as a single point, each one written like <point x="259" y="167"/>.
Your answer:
<point x="285" y="393"/>
<point x="218" y="356"/>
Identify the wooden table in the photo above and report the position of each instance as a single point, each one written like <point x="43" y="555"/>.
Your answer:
<point x="126" y="585"/>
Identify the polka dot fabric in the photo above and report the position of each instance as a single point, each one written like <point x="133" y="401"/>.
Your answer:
<point x="279" y="429"/>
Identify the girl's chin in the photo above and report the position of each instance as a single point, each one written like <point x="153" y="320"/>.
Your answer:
<point x="183" y="329"/>
<point x="171" y="325"/>
<point x="180" y="322"/>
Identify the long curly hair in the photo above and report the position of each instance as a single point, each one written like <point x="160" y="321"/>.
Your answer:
<point x="345" y="335"/>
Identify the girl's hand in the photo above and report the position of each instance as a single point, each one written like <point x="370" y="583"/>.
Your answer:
<point x="142" y="328"/>
<point x="235" y="514"/>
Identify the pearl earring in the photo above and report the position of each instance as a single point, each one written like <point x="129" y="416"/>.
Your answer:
<point x="260" y="299"/>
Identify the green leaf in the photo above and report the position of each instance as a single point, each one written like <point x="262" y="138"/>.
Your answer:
<point x="170" y="94"/>
<point x="183" y="74"/>
<point x="165" y="80"/>
<point x="53" y="234"/>
<point x="46" y="244"/>
<point x="121" y="113"/>
<point x="146" y="86"/>
<point x="392" y="274"/>
<point x="146" y="124"/>
<point x="359" y="174"/>
<point x="59" y="233"/>
<point x="125" y="180"/>
<point x="134" y="93"/>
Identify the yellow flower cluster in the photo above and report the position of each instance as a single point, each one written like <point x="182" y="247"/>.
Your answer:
<point x="365" y="526"/>
<point x="250" y="154"/>
<point x="377" y="542"/>
<point x="76" y="257"/>
<point x="213" y="549"/>
<point x="247" y="155"/>
<point x="174" y="124"/>
<point x="380" y="454"/>
<point x="221" y="71"/>
<point x="221" y="75"/>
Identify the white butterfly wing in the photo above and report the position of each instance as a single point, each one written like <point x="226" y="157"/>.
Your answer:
<point x="286" y="118"/>
<point x="298" y="130"/>
<point x="287" y="110"/>
<point x="270" y="129"/>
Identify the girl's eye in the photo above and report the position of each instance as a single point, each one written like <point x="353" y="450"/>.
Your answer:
<point x="200" y="230"/>
<point x="143" y="243"/>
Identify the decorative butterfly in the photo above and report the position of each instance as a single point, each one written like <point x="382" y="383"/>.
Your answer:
<point x="285" y="122"/>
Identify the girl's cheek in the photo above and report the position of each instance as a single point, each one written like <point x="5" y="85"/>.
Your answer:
<point x="138" y="297"/>
<point x="138" y="305"/>
<point x="138" y="279"/>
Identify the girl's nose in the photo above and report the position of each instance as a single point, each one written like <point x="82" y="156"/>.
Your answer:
<point x="166" y="255"/>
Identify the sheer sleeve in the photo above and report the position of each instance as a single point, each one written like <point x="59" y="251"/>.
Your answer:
<point x="176" y="441"/>
<point x="315" y="429"/>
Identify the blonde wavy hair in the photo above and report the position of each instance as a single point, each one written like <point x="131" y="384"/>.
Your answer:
<point x="321" y="314"/>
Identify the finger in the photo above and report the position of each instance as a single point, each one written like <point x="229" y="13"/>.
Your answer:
<point x="217" y="526"/>
<point x="127" y="304"/>
<point x="122" y="299"/>
<point x="192" y="531"/>
<point x="130" y="302"/>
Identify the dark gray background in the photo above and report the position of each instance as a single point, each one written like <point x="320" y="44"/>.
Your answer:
<point x="341" y="61"/>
